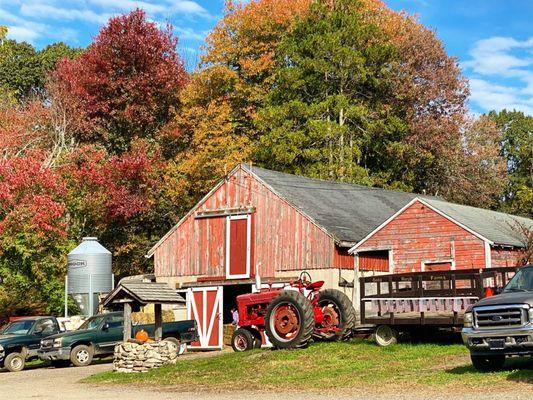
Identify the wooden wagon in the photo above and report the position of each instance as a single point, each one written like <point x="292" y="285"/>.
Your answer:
<point x="413" y="302"/>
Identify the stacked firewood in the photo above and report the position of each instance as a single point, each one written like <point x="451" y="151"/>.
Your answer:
<point x="141" y="357"/>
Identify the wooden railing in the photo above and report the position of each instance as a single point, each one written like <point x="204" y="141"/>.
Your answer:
<point x="410" y="298"/>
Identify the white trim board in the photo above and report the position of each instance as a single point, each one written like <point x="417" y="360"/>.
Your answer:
<point x="417" y="199"/>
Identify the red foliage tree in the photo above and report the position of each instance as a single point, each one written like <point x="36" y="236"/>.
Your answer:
<point x="125" y="85"/>
<point x="30" y="195"/>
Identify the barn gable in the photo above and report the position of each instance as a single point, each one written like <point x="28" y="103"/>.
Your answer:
<point x="280" y="238"/>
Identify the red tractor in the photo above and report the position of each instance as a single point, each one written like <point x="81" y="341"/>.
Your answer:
<point x="292" y="315"/>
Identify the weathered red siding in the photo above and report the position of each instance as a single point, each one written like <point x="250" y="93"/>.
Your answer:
<point x="420" y="234"/>
<point x="341" y="258"/>
<point x="505" y="256"/>
<point x="283" y="239"/>
<point x="374" y="261"/>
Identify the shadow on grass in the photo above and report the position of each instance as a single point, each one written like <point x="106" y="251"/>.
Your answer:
<point x="431" y="336"/>
<point x="516" y="370"/>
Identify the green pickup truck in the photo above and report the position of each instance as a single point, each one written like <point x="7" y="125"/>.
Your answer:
<point x="98" y="336"/>
<point x="21" y="339"/>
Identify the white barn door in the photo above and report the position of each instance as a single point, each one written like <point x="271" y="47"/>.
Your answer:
<point x="204" y="305"/>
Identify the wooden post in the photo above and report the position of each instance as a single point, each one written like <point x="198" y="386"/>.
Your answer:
<point x="127" y="321"/>
<point x="158" y="333"/>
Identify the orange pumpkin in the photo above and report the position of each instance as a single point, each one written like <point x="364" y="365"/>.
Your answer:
<point x="142" y="335"/>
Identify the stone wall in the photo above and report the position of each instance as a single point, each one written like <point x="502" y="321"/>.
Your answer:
<point x="135" y="357"/>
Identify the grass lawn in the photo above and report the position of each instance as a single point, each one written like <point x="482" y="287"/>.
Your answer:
<point x="355" y="363"/>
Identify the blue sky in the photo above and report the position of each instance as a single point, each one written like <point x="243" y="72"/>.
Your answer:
<point x="493" y="39"/>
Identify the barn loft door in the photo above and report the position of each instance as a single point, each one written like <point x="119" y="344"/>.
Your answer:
<point x="204" y="305"/>
<point x="238" y="238"/>
<point x="377" y="260"/>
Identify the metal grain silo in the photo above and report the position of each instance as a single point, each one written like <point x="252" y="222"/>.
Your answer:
<point x="89" y="274"/>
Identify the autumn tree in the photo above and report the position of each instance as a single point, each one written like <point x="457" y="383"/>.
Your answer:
<point x="23" y="69"/>
<point x="517" y="149"/>
<point x="115" y="197"/>
<point x="33" y="241"/>
<point x="329" y="115"/>
<point x="215" y="128"/>
<point x="125" y="85"/>
<point x="402" y="115"/>
<point x="477" y="171"/>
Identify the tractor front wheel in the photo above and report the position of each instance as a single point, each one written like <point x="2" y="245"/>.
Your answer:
<point x="242" y="340"/>
<point x="289" y="320"/>
<point x="338" y="315"/>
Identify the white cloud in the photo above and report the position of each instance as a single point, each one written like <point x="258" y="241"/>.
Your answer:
<point x="41" y="10"/>
<point x="188" y="7"/>
<point x="501" y="70"/>
<point x="26" y="19"/>
<point x="22" y="34"/>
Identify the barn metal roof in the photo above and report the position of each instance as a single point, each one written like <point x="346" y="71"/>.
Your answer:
<point x="350" y="212"/>
<point x="143" y="293"/>
<point x="498" y="227"/>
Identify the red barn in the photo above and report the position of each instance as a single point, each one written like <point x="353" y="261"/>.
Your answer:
<point x="257" y="221"/>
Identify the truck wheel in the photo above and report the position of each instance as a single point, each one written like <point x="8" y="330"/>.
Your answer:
<point x="385" y="336"/>
<point x="488" y="363"/>
<point x="242" y="340"/>
<point x="14" y="362"/>
<point x="181" y="347"/>
<point x="339" y="315"/>
<point x="289" y="320"/>
<point x="81" y="356"/>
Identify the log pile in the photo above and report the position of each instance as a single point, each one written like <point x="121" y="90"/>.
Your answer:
<point x="135" y="357"/>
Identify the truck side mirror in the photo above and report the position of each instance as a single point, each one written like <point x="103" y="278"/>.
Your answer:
<point x="105" y="327"/>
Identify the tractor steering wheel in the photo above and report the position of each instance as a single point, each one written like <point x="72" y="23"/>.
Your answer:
<point x="305" y="278"/>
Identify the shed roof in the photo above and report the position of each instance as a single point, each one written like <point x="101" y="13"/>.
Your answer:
<point x="350" y="212"/>
<point x="143" y="293"/>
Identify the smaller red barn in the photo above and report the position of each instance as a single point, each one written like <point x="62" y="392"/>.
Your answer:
<point x="257" y="221"/>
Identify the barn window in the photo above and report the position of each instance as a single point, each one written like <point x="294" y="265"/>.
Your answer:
<point x="375" y="260"/>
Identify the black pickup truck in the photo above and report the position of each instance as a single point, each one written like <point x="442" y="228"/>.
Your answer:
<point x="501" y="326"/>
<point x="21" y="339"/>
<point x="98" y="335"/>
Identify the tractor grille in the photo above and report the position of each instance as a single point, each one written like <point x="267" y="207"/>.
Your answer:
<point x="512" y="316"/>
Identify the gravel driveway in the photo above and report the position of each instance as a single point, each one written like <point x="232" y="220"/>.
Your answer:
<point x="63" y="384"/>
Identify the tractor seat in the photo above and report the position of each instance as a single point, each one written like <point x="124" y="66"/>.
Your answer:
<point x="315" y="285"/>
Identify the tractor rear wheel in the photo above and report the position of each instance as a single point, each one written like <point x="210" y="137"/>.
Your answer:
<point x="339" y="315"/>
<point x="289" y="320"/>
<point x="242" y="340"/>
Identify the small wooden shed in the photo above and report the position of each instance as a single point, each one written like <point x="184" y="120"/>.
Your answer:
<point x="131" y="296"/>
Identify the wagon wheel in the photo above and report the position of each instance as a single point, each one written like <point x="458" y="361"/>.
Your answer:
<point x="289" y="320"/>
<point x="385" y="336"/>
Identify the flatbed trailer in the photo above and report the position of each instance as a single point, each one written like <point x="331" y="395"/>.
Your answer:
<point x="415" y="301"/>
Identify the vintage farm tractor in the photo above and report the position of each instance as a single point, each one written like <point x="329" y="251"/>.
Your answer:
<point x="292" y="315"/>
